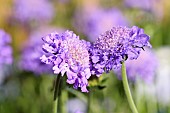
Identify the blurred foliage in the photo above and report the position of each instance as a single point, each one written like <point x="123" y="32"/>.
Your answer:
<point x="34" y="94"/>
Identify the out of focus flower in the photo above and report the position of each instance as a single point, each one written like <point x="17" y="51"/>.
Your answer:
<point x="144" y="4"/>
<point x="163" y="76"/>
<point x="98" y="21"/>
<point x="115" y="46"/>
<point x="78" y="111"/>
<point x="151" y="6"/>
<point x="5" y="48"/>
<point x="30" y="59"/>
<point x="158" y="90"/>
<point x="69" y="55"/>
<point x="144" y="67"/>
<point x="32" y="51"/>
<point x="76" y="106"/>
<point x="5" y="55"/>
<point x="33" y="10"/>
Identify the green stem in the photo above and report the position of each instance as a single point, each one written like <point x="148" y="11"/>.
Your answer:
<point x="140" y="99"/>
<point x="127" y="89"/>
<point x="64" y="99"/>
<point x="63" y="96"/>
<point x="56" y="93"/>
<point x="151" y="102"/>
<point x="89" y="101"/>
<point x="55" y="106"/>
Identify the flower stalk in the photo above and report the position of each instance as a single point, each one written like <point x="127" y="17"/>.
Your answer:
<point x="56" y="93"/>
<point x="127" y="89"/>
<point x="89" y="102"/>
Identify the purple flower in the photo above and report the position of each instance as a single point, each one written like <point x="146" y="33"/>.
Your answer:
<point x="78" y="111"/>
<point x="33" y="10"/>
<point x="98" y="21"/>
<point x="75" y="105"/>
<point x="144" y="67"/>
<point x="31" y="53"/>
<point x="144" y="4"/>
<point x="69" y="55"/>
<point x="5" y="48"/>
<point x="115" y="46"/>
<point x="152" y="7"/>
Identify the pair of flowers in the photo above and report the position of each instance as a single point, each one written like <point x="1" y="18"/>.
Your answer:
<point x="81" y="59"/>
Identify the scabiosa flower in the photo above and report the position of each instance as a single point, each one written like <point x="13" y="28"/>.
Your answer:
<point x="115" y="46"/>
<point x="144" y="67"/>
<point x="69" y="55"/>
<point x="98" y="21"/>
<point x="5" y="48"/>
<point x="33" y="10"/>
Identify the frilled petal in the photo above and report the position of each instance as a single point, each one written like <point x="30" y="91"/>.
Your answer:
<point x="87" y="73"/>
<point x="141" y="40"/>
<point x="71" y="77"/>
<point x="95" y="59"/>
<point x="47" y="60"/>
<point x="56" y="70"/>
<point x="84" y="88"/>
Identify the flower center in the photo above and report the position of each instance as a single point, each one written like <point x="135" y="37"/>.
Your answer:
<point x="110" y="39"/>
<point x="78" y="51"/>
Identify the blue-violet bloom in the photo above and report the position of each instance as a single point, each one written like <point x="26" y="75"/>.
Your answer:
<point x="69" y="55"/>
<point x="144" y="4"/>
<point x="33" y="10"/>
<point x="31" y="53"/>
<point x="117" y="45"/>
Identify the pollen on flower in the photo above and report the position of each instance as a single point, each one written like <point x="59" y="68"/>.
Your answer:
<point x="78" y="51"/>
<point x="110" y="39"/>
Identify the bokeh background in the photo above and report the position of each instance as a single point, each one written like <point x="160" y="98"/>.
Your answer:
<point x="25" y="87"/>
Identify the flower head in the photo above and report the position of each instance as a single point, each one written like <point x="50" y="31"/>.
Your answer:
<point x="69" y="55"/>
<point x="5" y="48"/>
<point x="117" y="45"/>
<point x="33" y="10"/>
